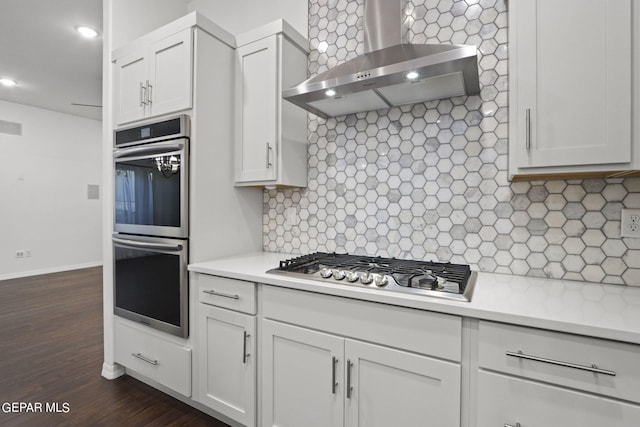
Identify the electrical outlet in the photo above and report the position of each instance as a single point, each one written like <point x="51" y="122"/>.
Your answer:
<point x="19" y="253"/>
<point x="630" y="223"/>
<point x="291" y="216"/>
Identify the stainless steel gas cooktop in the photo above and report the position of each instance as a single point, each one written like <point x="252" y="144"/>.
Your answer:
<point x="426" y="278"/>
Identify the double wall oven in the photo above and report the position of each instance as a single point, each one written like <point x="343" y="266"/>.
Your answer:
<point x="151" y="224"/>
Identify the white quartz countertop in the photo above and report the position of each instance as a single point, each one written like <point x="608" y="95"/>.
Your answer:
<point x="604" y="311"/>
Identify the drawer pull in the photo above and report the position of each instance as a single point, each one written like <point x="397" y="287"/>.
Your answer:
<point x="220" y="294"/>
<point x="145" y="359"/>
<point x="593" y="368"/>
<point x="511" y="425"/>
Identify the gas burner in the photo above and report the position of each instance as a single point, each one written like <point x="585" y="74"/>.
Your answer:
<point x="445" y="280"/>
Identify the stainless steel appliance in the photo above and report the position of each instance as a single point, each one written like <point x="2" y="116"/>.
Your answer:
<point x="390" y="72"/>
<point x="150" y="282"/>
<point x="151" y="165"/>
<point x="425" y="278"/>
<point x="151" y="224"/>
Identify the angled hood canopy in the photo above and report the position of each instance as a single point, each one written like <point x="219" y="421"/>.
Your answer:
<point x="390" y="73"/>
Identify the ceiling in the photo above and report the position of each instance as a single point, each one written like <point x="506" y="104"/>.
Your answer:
<point x="54" y="66"/>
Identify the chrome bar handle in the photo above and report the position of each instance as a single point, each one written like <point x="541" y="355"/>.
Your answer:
<point x="220" y="294"/>
<point x="593" y="368"/>
<point x="269" y="164"/>
<point x="511" y="425"/>
<point x="145" y="150"/>
<point x="145" y="359"/>
<point x="528" y="128"/>
<point x="146" y="245"/>
<point x="149" y="92"/>
<point x="349" y="388"/>
<point x="244" y="347"/>
<point x="334" y="383"/>
<point x="142" y="89"/>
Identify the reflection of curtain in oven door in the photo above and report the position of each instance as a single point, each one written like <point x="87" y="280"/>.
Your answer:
<point x="125" y="200"/>
<point x="149" y="200"/>
<point x="143" y="211"/>
<point x="128" y="196"/>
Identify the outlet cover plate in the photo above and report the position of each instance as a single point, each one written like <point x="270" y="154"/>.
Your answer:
<point x="630" y="223"/>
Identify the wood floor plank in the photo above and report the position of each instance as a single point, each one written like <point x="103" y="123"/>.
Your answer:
<point x="51" y="350"/>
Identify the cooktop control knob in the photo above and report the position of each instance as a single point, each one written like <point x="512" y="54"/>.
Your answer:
<point x="325" y="273"/>
<point x="338" y="274"/>
<point x="381" y="281"/>
<point x="352" y="276"/>
<point x="366" y="278"/>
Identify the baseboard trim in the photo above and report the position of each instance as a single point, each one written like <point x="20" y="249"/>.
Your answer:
<point x="111" y="372"/>
<point x="49" y="270"/>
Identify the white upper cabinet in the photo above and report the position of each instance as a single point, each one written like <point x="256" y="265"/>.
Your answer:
<point x="271" y="134"/>
<point x="570" y="87"/>
<point x="154" y="79"/>
<point x="170" y="76"/>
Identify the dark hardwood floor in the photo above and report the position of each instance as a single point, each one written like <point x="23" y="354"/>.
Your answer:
<point x="51" y="351"/>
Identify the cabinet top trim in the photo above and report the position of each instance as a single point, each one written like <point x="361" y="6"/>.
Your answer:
<point x="279" y="26"/>
<point x="193" y="19"/>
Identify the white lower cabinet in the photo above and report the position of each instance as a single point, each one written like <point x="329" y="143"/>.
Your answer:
<point x="148" y="353"/>
<point x="391" y="387"/>
<point x="533" y="378"/>
<point x="313" y="378"/>
<point x="298" y="368"/>
<point x="509" y="401"/>
<point x="228" y="363"/>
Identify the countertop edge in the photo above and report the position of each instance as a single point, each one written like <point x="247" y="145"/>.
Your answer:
<point x="484" y="305"/>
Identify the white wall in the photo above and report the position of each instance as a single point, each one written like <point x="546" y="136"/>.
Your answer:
<point x="132" y="19"/>
<point x="238" y="16"/>
<point x="44" y="206"/>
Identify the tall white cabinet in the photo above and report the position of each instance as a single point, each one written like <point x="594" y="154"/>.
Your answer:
<point x="271" y="134"/>
<point x="570" y="81"/>
<point x="188" y="67"/>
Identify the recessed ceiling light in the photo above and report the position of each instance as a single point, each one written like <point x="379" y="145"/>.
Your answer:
<point x="8" y="82"/>
<point x="87" y="32"/>
<point x="330" y="92"/>
<point x="412" y="75"/>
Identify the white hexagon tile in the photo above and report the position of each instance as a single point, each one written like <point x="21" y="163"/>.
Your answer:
<point x="429" y="181"/>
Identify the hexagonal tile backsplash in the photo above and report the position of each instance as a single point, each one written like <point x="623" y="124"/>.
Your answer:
<point x="429" y="181"/>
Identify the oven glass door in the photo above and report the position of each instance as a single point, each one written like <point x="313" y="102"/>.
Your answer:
<point x="150" y="282"/>
<point x="151" y="189"/>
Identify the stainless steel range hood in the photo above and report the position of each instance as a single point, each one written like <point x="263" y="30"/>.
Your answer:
<point x="390" y="73"/>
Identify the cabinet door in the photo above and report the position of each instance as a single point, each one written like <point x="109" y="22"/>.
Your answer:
<point x="130" y="79"/>
<point x="170" y="74"/>
<point x="258" y="95"/>
<point x="391" y="387"/>
<point x="228" y="363"/>
<point x="300" y="366"/>
<point x="572" y="79"/>
<point x="506" y="400"/>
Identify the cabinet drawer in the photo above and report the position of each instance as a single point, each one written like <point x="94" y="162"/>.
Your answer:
<point x="160" y="360"/>
<point x="511" y="401"/>
<point x="579" y="354"/>
<point x="428" y="333"/>
<point x="233" y="294"/>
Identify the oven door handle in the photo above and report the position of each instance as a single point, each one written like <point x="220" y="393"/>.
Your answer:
<point x="148" y="149"/>
<point x="145" y="245"/>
